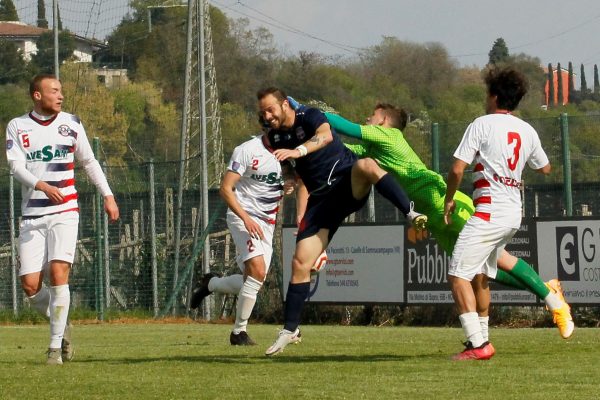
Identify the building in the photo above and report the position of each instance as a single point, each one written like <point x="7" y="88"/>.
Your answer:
<point x="564" y="74"/>
<point x="25" y="37"/>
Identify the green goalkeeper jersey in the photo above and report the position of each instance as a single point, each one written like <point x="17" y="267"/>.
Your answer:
<point x="426" y="188"/>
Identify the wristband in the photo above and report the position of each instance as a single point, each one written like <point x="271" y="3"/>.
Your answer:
<point x="303" y="150"/>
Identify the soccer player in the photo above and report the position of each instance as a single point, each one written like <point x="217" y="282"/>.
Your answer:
<point x="252" y="187"/>
<point x="41" y="148"/>
<point x="337" y="183"/>
<point x="500" y="144"/>
<point x="382" y="140"/>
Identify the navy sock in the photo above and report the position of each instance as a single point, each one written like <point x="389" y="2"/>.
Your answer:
<point x="391" y="190"/>
<point x="294" y="303"/>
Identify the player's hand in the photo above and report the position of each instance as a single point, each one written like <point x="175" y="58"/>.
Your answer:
<point x="293" y="103"/>
<point x="254" y="229"/>
<point x="288" y="186"/>
<point x="111" y="208"/>
<point x="449" y="207"/>
<point x="284" y="154"/>
<point x="52" y="192"/>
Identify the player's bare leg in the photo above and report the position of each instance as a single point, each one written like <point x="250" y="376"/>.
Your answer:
<point x="307" y="252"/>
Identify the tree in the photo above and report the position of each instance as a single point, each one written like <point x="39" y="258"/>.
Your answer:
<point x="499" y="52"/>
<point x="559" y="85"/>
<point x="8" y="12"/>
<point x="42" y="22"/>
<point x="43" y="60"/>
<point x="12" y="65"/>
<point x="550" y="86"/>
<point x="60" y="26"/>
<point x="596" y="80"/>
<point x="571" y="86"/>
<point x="584" y="88"/>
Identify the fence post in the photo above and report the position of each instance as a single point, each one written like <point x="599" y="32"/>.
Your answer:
<point x="98" y="261"/>
<point x="106" y="253"/>
<point x="566" y="158"/>
<point x="435" y="147"/>
<point x="153" y="238"/>
<point x="13" y="243"/>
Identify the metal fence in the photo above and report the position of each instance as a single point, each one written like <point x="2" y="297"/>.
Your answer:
<point x="129" y="265"/>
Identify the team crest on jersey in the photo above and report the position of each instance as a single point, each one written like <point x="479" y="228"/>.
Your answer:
<point x="235" y="166"/>
<point x="64" y="130"/>
<point x="9" y="144"/>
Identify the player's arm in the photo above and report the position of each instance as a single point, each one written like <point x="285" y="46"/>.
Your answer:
<point x="455" y="176"/>
<point x="344" y="127"/>
<point x="85" y="155"/>
<point x="230" y="179"/>
<point x="544" y="170"/>
<point x="289" y="177"/>
<point x="16" y="155"/>
<point x="320" y="139"/>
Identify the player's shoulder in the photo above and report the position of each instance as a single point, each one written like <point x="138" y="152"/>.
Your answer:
<point x="65" y="116"/>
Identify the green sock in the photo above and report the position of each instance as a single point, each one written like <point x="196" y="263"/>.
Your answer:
<point x="506" y="279"/>
<point x="524" y="273"/>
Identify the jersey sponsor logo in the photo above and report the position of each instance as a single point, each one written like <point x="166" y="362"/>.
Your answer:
<point x="65" y="130"/>
<point x="235" y="166"/>
<point x="48" y="153"/>
<point x="506" y="181"/>
<point x="9" y="144"/>
<point x="269" y="179"/>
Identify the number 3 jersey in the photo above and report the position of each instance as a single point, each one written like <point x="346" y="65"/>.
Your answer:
<point x="48" y="149"/>
<point x="261" y="186"/>
<point x="500" y="145"/>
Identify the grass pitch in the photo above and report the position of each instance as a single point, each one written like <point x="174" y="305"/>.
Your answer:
<point x="195" y="361"/>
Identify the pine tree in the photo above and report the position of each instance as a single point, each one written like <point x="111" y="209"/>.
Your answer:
<point x="42" y="22"/>
<point x="59" y="20"/>
<point x="596" y="81"/>
<point x="550" y="86"/>
<point x="559" y="85"/>
<point x="571" y="86"/>
<point x="584" y="89"/>
<point x="8" y="12"/>
<point x="499" y="52"/>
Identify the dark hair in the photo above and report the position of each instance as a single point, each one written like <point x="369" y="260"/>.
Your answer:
<point x="397" y="115"/>
<point x="278" y="93"/>
<point x="508" y="85"/>
<point x="35" y="84"/>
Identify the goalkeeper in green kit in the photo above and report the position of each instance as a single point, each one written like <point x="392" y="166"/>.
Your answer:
<point x="382" y="140"/>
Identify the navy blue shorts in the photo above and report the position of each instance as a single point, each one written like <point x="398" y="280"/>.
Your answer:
<point x="329" y="210"/>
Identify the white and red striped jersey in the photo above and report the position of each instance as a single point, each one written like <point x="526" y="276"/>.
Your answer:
<point x="49" y="148"/>
<point x="260" y="187"/>
<point x="500" y="145"/>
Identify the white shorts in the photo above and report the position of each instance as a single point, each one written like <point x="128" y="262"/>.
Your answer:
<point x="477" y="249"/>
<point x="247" y="247"/>
<point x="47" y="238"/>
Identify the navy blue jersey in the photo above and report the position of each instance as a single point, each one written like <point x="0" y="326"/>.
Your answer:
<point x="322" y="169"/>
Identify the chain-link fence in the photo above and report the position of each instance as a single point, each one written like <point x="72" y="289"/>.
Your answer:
<point x="130" y="265"/>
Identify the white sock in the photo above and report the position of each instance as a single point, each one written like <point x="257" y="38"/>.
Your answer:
<point x="553" y="301"/>
<point x="472" y="328"/>
<point x="483" y="322"/>
<point x="60" y="297"/>
<point x="41" y="301"/>
<point x="231" y="284"/>
<point x="245" y="303"/>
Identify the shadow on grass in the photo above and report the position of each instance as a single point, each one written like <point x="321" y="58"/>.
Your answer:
<point x="253" y="359"/>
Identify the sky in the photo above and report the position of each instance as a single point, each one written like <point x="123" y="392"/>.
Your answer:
<point x="555" y="31"/>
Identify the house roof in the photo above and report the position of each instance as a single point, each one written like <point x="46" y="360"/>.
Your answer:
<point x="15" y="28"/>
